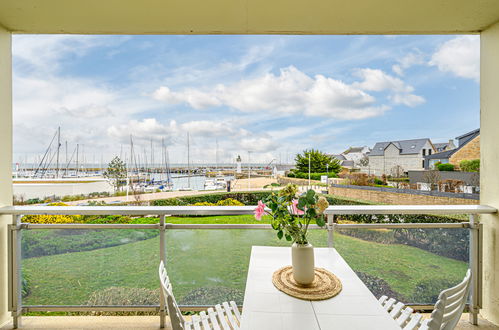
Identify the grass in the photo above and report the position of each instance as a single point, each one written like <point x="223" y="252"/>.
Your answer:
<point x="218" y="259"/>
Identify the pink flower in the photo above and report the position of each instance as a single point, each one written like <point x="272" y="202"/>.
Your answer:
<point x="294" y="208"/>
<point x="260" y="210"/>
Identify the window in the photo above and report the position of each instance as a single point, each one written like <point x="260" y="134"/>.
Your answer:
<point x="429" y="151"/>
<point x="423" y="162"/>
<point x="424" y="152"/>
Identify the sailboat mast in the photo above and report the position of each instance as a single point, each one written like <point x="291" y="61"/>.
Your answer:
<point x="188" y="161"/>
<point x="77" y="159"/>
<point x="58" y="149"/>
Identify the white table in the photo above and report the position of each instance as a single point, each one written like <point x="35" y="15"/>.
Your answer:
<point x="266" y="308"/>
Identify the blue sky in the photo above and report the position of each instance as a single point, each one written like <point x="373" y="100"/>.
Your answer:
<point x="271" y="95"/>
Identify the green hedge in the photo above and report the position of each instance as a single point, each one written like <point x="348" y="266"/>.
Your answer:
<point x="313" y="176"/>
<point x="445" y="167"/>
<point x="247" y="198"/>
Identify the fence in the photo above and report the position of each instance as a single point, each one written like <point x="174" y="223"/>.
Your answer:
<point x="17" y="307"/>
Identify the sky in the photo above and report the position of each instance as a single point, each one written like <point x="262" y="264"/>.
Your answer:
<point x="263" y="97"/>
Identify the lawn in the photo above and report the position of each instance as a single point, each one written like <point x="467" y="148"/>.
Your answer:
<point x="210" y="265"/>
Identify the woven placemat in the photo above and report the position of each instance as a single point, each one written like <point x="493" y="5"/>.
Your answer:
<point x="325" y="285"/>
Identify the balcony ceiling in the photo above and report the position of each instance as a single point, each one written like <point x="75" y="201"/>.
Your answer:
<point x="248" y="17"/>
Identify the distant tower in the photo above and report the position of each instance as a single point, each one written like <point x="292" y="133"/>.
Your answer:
<point x="238" y="162"/>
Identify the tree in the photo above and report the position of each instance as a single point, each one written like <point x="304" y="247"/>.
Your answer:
<point x="470" y="165"/>
<point x="116" y="172"/>
<point x="431" y="177"/>
<point x="319" y="162"/>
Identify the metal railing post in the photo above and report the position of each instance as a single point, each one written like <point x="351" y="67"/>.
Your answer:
<point x="15" y="274"/>
<point x="330" y="230"/>
<point x="475" y="265"/>
<point x="162" y="257"/>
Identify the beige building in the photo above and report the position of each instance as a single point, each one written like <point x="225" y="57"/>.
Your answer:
<point x="396" y="157"/>
<point x="268" y="17"/>
<point x="468" y="149"/>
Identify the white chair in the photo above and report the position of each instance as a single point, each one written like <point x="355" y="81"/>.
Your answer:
<point x="225" y="316"/>
<point x="445" y="315"/>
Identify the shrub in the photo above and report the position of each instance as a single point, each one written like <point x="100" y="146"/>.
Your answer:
<point x="470" y="165"/>
<point x="313" y="176"/>
<point x="229" y="202"/>
<point x="445" y="167"/>
<point x="223" y="202"/>
<point x="49" y="218"/>
<point x="427" y="291"/>
<point x="25" y="284"/>
<point x="379" y="287"/>
<point x="247" y="198"/>
<point x="37" y="243"/>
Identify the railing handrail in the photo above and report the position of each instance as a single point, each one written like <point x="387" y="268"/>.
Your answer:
<point x="241" y="210"/>
<point x="410" y="209"/>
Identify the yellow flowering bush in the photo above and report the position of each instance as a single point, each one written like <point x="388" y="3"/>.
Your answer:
<point x="51" y="218"/>
<point x="223" y="202"/>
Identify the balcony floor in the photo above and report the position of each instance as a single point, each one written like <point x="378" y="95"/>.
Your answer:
<point x="145" y="322"/>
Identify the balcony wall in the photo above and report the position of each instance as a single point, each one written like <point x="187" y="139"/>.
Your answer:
<point x="5" y="159"/>
<point x="489" y="98"/>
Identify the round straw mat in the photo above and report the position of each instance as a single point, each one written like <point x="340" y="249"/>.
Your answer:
<point x="325" y="285"/>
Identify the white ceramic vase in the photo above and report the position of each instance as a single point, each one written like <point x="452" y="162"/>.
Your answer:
<point x="302" y="259"/>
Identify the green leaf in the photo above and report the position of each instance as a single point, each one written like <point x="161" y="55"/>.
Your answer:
<point x="280" y="234"/>
<point x="310" y="194"/>
<point x="289" y="238"/>
<point x="301" y="203"/>
<point x="320" y="222"/>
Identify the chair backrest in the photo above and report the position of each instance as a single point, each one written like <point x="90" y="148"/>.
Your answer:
<point x="450" y="305"/>
<point x="174" y="313"/>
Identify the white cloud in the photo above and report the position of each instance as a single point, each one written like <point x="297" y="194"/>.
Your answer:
<point x="258" y="144"/>
<point x="409" y="100"/>
<point x="43" y="54"/>
<point x="376" y="80"/>
<point x="411" y="59"/>
<point x="459" y="56"/>
<point x="196" y="99"/>
<point x="290" y="92"/>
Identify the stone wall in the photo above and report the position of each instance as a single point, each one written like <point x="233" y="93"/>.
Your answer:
<point x="469" y="152"/>
<point x="408" y="197"/>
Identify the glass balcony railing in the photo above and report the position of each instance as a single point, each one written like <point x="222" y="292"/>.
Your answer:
<point x="113" y="267"/>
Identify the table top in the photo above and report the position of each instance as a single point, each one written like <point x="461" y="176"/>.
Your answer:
<point x="266" y="308"/>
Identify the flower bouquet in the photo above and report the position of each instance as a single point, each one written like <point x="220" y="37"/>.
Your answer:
<point x="291" y="216"/>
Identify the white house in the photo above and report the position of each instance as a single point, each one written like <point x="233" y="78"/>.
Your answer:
<point x="397" y="157"/>
<point x="355" y="154"/>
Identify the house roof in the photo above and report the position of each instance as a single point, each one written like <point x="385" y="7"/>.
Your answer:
<point x="406" y="147"/>
<point x="448" y="153"/>
<point x="339" y="157"/>
<point x="441" y="145"/>
<point x="469" y="133"/>
<point x="353" y="149"/>
<point x="347" y="163"/>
